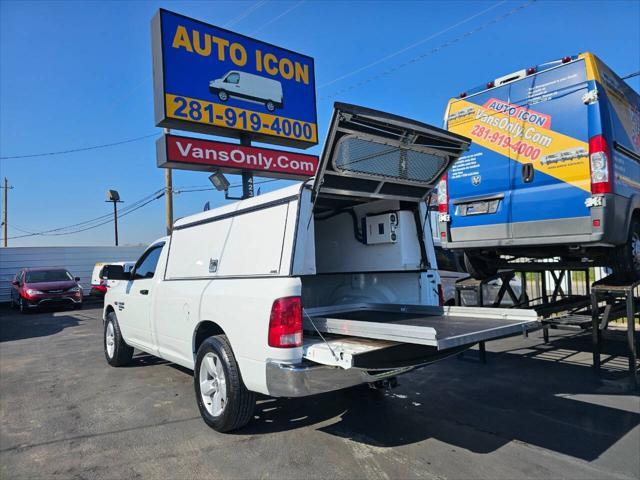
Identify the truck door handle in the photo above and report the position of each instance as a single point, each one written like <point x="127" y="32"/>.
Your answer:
<point x="144" y="292"/>
<point x="527" y="172"/>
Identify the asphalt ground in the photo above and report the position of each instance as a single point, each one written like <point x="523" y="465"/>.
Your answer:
<point x="533" y="411"/>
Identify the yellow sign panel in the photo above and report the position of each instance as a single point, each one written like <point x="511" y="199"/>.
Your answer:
<point x="560" y="156"/>
<point x="209" y="113"/>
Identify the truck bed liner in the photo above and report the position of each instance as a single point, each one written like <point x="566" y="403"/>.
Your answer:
<point x="441" y="327"/>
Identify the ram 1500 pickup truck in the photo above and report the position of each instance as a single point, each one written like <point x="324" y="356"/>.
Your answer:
<point x="319" y="286"/>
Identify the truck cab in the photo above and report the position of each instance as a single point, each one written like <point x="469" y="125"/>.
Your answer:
<point x="319" y="286"/>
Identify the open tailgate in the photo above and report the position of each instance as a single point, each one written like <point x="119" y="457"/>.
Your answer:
<point x="373" y="154"/>
<point x="381" y="326"/>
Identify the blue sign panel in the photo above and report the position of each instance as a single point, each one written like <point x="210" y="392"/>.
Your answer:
<point x="211" y="80"/>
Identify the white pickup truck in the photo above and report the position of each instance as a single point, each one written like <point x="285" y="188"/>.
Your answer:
<point x="315" y="287"/>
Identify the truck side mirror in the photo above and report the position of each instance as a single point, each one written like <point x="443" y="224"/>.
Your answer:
<point x="77" y="279"/>
<point x="15" y="282"/>
<point x="115" y="272"/>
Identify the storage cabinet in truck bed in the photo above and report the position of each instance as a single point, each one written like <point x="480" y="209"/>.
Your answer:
<point x="315" y="287"/>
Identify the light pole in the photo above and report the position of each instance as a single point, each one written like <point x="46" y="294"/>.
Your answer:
<point x="114" y="197"/>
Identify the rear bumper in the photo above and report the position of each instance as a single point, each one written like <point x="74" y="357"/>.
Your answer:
<point x="612" y="217"/>
<point x="301" y="380"/>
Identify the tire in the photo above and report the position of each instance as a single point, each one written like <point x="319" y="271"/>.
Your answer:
<point x="116" y="351"/>
<point x="222" y="95"/>
<point x="270" y="106"/>
<point x="478" y="267"/>
<point x="230" y="405"/>
<point x="626" y="258"/>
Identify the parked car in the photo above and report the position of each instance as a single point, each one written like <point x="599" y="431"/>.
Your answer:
<point x="553" y="171"/>
<point x="451" y="269"/>
<point x="36" y="287"/>
<point x="311" y="288"/>
<point x="247" y="86"/>
<point x="99" y="284"/>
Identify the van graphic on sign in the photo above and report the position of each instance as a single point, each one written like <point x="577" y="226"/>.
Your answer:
<point x="249" y="87"/>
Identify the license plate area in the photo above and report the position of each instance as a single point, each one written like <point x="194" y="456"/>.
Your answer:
<point x="477" y="208"/>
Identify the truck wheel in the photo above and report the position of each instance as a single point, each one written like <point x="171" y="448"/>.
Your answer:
<point x="222" y="95"/>
<point x="478" y="267"/>
<point x="626" y="258"/>
<point x="270" y="106"/>
<point x="116" y="351"/>
<point x="224" y="402"/>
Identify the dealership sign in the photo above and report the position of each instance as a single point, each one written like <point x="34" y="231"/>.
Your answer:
<point x="211" y="80"/>
<point x="206" y="155"/>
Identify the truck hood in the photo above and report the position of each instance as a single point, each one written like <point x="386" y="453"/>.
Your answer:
<point x="48" y="286"/>
<point x="376" y="155"/>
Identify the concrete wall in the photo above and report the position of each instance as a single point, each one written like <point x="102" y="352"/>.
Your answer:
<point x="78" y="260"/>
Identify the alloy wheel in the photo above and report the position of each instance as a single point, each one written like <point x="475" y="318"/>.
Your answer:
<point x="213" y="384"/>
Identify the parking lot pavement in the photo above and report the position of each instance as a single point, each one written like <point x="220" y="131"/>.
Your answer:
<point x="534" y="411"/>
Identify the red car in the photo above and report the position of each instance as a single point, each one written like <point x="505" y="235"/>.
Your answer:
<point x="35" y="287"/>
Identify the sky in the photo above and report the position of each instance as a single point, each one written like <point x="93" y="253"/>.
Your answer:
<point x="78" y="74"/>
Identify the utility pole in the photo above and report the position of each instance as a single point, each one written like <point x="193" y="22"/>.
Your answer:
<point x="114" y="197"/>
<point x="6" y="208"/>
<point x="247" y="177"/>
<point x="168" y="193"/>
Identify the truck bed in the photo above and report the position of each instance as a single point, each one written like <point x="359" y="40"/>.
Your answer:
<point x="440" y="327"/>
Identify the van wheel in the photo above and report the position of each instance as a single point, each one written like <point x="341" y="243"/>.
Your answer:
<point x="478" y="267"/>
<point x="270" y="106"/>
<point x="224" y="402"/>
<point x="626" y="258"/>
<point x="222" y="95"/>
<point x="116" y="351"/>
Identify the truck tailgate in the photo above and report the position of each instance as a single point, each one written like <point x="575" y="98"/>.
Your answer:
<point x="440" y="327"/>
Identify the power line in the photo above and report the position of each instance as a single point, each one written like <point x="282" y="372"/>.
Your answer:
<point x="244" y="14"/>
<point x="108" y="218"/>
<point x="83" y="149"/>
<point x="278" y="17"/>
<point x="102" y="220"/>
<point x="409" y="47"/>
<point x="422" y="56"/>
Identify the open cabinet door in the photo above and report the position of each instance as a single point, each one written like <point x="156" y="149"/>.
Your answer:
<point x="376" y="155"/>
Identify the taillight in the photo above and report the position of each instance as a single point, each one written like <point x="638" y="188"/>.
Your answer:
<point x="443" y="195"/>
<point x="600" y="165"/>
<point x="285" y="324"/>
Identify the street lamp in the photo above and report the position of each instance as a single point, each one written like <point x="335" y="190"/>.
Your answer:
<point x="114" y="196"/>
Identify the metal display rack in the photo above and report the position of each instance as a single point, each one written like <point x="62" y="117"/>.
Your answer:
<point x="566" y="307"/>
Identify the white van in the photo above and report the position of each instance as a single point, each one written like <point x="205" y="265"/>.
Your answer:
<point x="315" y="287"/>
<point x="99" y="284"/>
<point x="249" y="87"/>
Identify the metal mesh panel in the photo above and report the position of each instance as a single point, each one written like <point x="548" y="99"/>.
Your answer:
<point x="360" y="156"/>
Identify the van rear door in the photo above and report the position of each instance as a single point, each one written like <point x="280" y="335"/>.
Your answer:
<point x="550" y="158"/>
<point x="527" y="173"/>
<point x="376" y="155"/>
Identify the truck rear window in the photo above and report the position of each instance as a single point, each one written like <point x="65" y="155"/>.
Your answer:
<point x="363" y="156"/>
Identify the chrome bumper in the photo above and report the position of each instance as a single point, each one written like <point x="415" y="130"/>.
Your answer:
<point x="284" y="380"/>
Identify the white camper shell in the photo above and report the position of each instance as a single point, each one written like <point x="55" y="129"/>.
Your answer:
<point x="249" y="87"/>
<point x="352" y="244"/>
